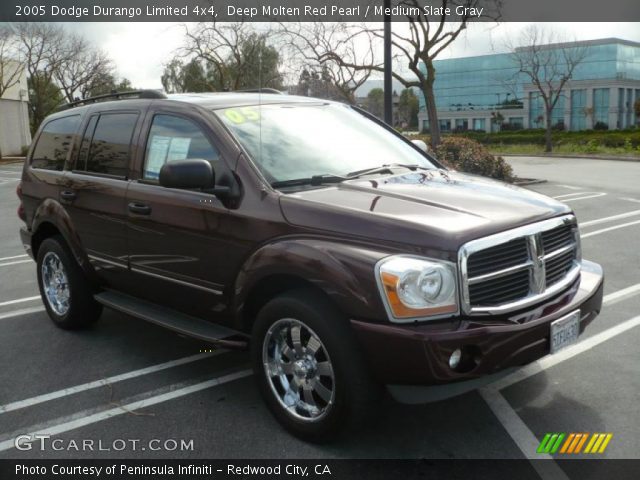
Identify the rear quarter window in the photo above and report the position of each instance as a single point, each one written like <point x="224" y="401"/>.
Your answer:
<point x="110" y="148"/>
<point x="55" y="142"/>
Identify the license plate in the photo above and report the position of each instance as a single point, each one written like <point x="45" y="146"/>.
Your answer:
<point x="565" y="331"/>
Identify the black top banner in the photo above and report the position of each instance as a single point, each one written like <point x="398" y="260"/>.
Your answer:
<point x="318" y="10"/>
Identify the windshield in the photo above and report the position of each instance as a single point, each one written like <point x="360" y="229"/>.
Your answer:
<point x="304" y="140"/>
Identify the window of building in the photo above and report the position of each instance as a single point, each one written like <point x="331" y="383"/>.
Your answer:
<point x="174" y="138"/>
<point x="536" y="110"/>
<point x="55" y="142"/>
<point x="111" y="144"/>
<point x="462" y="124"/>
<point x="445" y="125"/>
<point x="516" y="123"/>
<point x="578" y="109"/>
<point x="479" y="124"/>
<point x="601" y="107"/>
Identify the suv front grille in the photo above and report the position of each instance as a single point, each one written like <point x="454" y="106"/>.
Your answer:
<point x="519" y="267"/>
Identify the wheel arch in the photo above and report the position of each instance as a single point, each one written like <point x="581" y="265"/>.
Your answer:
<point x="342" y="274"/>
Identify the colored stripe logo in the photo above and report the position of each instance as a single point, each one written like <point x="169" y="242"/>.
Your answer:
<point x="573" y="443"/>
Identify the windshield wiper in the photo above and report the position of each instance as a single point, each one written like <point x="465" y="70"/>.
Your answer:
<point x="387" y="168"/>
<point x="315" y="180"/>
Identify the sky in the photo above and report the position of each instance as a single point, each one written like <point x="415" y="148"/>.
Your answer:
<point x="140" y="50"/>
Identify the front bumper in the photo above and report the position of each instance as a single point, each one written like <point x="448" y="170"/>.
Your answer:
<point x="419" y="354"/>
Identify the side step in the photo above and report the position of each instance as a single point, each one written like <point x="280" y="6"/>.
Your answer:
<point x="179" y="322"/>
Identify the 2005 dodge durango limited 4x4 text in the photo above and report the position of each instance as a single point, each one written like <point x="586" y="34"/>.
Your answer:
<point x="343" y="255"/>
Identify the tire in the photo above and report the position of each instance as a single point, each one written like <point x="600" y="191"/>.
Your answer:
<point x="64" y="289"/>
<point x="325" y="381"/>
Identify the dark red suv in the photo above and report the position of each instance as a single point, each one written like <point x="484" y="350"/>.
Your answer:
<point x="342" y="254"/>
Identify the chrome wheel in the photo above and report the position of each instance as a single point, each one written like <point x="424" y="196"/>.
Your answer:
<point x="55" y="283"/>
<point x="299" y="370"/>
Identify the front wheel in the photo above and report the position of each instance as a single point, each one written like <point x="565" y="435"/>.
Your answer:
<point x="309" y="367"/>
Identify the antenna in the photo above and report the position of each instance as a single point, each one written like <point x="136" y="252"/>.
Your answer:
<point x="260" y="100"/>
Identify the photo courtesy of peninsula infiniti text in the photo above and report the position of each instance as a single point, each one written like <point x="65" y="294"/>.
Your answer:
<point x="343" y="256"/>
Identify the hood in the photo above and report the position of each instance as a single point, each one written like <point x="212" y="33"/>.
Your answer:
<point x="436" y="209"/>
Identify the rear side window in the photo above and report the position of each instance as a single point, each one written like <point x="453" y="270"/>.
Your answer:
<point x="174" y="138"/>
<point x="110" y="148"/>
<point x="55" y="142"/>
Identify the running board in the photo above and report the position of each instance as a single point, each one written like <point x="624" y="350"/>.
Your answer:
<point x="176" y="321"/>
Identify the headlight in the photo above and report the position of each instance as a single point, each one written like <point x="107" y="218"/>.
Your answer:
<point x="414" y="288"/>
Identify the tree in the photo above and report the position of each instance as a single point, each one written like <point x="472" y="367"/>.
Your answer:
<point x="636" y="108"/>
<point x="235" y="55"/>
<point x="108" y="84"/>
<point x="408" y="107"/>
<point x="179" y="77"/>
<point x="49" y="98"/>
<point x="82" y="69"/>
<point x="375" y="102"/>
<point x="427" y="38"/>
<point x="547" y="66"/>
<point x="10" y="68"/>
<point x="307" y="45"/>
<point x="42" y="46"/>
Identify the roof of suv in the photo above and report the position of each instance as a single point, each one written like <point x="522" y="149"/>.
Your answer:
<point x="217" y="100"/>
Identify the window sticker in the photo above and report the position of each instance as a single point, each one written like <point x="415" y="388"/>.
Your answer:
<point x="157" y="155"/>
<point x="242" y="115"/>
<point x="179" y="148"/>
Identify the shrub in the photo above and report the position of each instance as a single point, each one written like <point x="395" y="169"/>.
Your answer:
<point x="601" y="126"/>
<point x="470" y="156"/>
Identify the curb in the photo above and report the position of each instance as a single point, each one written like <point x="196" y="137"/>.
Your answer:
<point x="523" y="182"/>
<point x="583" y="157"/>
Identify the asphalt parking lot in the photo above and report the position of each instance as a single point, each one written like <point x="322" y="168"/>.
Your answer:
<point x="126" y="379"/>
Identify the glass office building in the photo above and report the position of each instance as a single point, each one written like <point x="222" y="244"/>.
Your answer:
<point x="488" y="93"/>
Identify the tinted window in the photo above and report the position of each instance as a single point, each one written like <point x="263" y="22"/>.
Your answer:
<point x="174" y="138"/>
<point x="109" y="151"/>
<point x="55" y="142"/>
<point x="81" y="163"/>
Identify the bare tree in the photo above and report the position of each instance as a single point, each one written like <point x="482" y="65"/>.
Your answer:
<point x="236" y="55"/>
<point x="82" y="68"/>
<point x="42" y="45"/>
<point x="10" y="67"/>
<point x="315" y="47"/>
<point x="548" y="65"/>
<point x="427" y="37"/>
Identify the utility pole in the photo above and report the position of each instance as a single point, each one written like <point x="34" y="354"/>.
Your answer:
<point x="388" y="88"/>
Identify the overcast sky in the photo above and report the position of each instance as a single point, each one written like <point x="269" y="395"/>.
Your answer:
<point x="140" y="50"/>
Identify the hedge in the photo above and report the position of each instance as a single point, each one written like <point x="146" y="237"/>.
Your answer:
<point x="470" y="156"/>
<point x="610" y="138"/>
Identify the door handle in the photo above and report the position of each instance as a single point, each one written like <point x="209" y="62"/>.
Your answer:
<point x="68" y="195"/>
<point x="139" y="208"/>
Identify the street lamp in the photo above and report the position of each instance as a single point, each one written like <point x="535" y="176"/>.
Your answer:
<point x="388" y="103"/>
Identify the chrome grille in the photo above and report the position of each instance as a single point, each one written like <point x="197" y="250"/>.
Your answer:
<point x="519" y="267"/>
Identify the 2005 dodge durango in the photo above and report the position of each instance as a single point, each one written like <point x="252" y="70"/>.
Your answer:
<point x="343" y="255"/>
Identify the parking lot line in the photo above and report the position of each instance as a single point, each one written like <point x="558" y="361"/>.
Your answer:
<point x="16" y="262"/>
<point x="595" y="195"/>
<point x="620" y="216"/>
<point x="577" y="194"/>
<point x="104" y="381"/>
<point x="15" y="256"/>
<point x="620" y="295"/>
<point x="608" y="229"/>
<point x="24" y="311"/>
<point x="19" y="300"/>
<point x="74" y="423"/>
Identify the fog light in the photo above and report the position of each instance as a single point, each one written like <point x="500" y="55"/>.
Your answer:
<point x="454" y="359"/>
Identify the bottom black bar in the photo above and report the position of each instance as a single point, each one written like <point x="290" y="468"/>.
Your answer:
<point x="312" y="469"/>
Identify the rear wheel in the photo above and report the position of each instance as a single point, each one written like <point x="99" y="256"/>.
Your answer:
<point x="65" y="291"/>
<point x="309" y="367"/>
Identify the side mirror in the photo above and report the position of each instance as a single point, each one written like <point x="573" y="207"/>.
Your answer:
<point x="196" y="173"/>
<point x="421" y="145"/>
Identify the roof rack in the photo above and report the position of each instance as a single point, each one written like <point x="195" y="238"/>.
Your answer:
<point x="260" y="90"/>
<point x="115" y="96"/>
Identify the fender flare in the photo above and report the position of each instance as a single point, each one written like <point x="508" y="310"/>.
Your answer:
<point x="344" y="272"/>
<point x="51" y="212"/>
